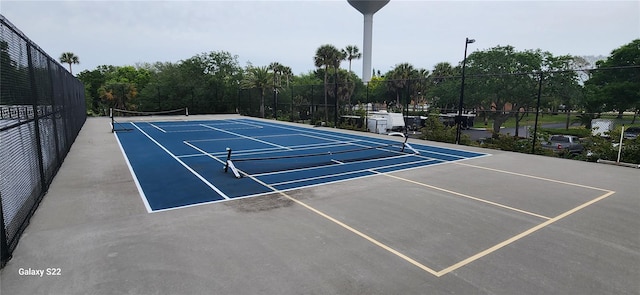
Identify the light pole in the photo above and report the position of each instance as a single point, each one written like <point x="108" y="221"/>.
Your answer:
<point x="464" y="63"/>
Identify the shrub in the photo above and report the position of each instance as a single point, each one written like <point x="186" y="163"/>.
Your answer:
<point x="435" y="130"/>
<point x="606" y="148"/>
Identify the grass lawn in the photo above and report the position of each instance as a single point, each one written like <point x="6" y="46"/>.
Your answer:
<point x="560" y="118"/>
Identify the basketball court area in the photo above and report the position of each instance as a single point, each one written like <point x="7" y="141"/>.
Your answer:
<point x="476" y="222"/>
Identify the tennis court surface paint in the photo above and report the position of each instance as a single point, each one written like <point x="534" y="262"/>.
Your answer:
<point x="180" y="163"/>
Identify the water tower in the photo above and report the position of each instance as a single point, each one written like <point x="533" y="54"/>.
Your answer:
<point x="367" y="8"/>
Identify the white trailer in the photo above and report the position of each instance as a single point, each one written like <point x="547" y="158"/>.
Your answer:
<point x="377" y="125"/>
<point x="600" y="126"/>
<point x="394" y="122"/>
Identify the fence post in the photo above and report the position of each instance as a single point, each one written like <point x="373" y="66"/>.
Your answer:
<point x="535" y="125"/>
<point x="54" y="113"/>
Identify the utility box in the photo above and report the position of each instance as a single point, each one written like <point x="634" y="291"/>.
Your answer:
<point x="600" y="126"/>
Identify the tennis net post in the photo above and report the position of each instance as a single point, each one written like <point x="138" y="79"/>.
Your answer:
<point x="229" y="165"/>
<point x="113" y="113"/>
<point x="405" y="144"/>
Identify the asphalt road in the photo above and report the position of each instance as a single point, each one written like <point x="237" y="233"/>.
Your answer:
<point x="478" y="133"/>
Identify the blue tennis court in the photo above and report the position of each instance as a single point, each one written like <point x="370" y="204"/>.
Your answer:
<point x="182" y="163"/>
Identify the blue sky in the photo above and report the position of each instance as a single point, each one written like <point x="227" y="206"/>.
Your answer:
<point x="422" y="33"/>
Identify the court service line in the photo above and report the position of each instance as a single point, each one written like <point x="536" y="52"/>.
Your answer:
<point x="157" y="127"/>
<point x="464" y="195"/>
<point x="246" y="137"/>
<point x="347" y="227"/>
<point x="521" y="235"/>
<point x="534" y="177"/>
<point x="209" y="184"/>
<point x="249" y="124"/>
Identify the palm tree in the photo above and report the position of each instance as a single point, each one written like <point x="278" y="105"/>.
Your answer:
<point x="441" y="71"/>
<point x="420" y="87"/>
<point x="257" y="77"/>
<point x="278" y="70"/>
<point x="328" y="56"/>
<point x="69" y="58"/>
<point x="352" y="52"/>
<point x="287" y="73"/>
<point x="399" y="78"/>
<point x="347" y="85"/>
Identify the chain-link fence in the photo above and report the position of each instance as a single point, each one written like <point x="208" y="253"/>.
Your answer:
<point x="500" y="95"/>
<point x="42" y="109"/>
<point x="501" y="110"/>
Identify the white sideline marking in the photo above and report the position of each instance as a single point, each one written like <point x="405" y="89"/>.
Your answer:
<point x="213" y="187"/>
<point x="135" y="178"/>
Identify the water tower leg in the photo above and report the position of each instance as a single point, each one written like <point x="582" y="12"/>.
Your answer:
<point x="366" y="44"/>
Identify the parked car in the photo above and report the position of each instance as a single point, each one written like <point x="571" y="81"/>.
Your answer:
<point x="631" y="132"/>
<point x="564" y="144"/>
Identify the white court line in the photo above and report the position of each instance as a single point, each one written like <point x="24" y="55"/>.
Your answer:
<point x="213" y="187"/>
<point x="292" y="148"/>
<point x="351" y="172"/>
<point x="346" y="163"/>
<point x="349" y="138"/>
<point x="252" y="152"/>
<point x="157" y="127"/>
<point x="135" y="178"/>
<point x="204" y="153"/>
<point x="236" y="138"/>
<point x="248" y="124"/>
<point x="244" y="136"/>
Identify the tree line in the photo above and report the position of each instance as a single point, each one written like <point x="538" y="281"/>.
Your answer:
<point x="501" y="83"/>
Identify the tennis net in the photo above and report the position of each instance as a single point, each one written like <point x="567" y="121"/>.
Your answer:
<point x="121" y="118"/>
<point x="290" y="160"/>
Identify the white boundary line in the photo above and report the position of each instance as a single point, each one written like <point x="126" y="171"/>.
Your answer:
<point x="157" y="127"/>
<point x="244" y="136"/>
<point x="213" y="187"/>
<point x="133" y="173"/>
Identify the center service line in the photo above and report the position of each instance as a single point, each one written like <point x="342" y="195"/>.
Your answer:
<point x="246" y="137"/>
